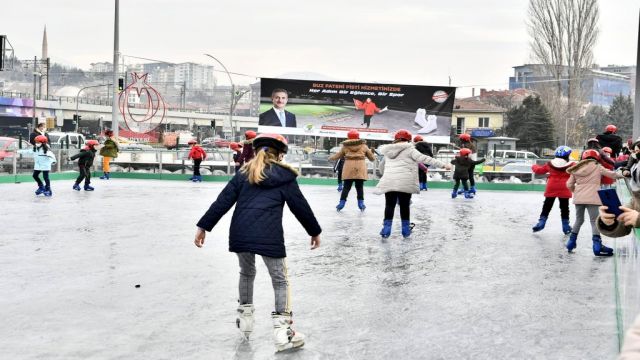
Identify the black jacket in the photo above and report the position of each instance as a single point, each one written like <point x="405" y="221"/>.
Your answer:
<point x="32" y="137"/>
<point x="463" y="164"/>
<point x="256" y="225"/>
<point x="85" y="157"/>
<point x="424" y="148"/>
<point x="611" y="140"/>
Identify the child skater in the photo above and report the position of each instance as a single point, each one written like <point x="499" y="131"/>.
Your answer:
<point x="608" y="163"/>
<point x="85" y="160"/>
<point x="556" y="187"/>
<point x="462" y="173"/>
<point x="584" y="182"/>
<point x="43" y="159"/>
<point x="259" y="192"/>
<point x="247" y="148"/>
<point x="400" y="179"/>
<point x="466" y="143"/>
<point x="237" y="151"/>
<point x="425" y="149"/>
<point x="108" y="151"/>
<point x="196" y="154"/>
<point x="337" y="168"/>
<point x="354" y="150"/>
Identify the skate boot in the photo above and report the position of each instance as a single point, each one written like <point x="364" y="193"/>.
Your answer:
<point x="105" y="176"/>
<point x="426" y="186"/>
<point x="599" y="249"/>
<point x="468" y="195"/>
<point x="192" y="177"/>
<point x="76" y="187"/>
<point x="340" y="186"/>
<point x="422" y="186"/>
<point x="244" y="322"/>
<point x="573" y="239"/>
<point x="341" y="204"/>
<point x="454" y="194"/>
<point x="566" y="228"/>
<point x="541" y="223"/>
<point x="88" y="188"/>
<point x="473" y="190"/>
<point x="386" y="228"/>
<point x="461" y="191"/>
<point x="40" y="190"/>
<point x="407" y="227"/>
<point x="361" y="205"/>
<point x="47" y="191"/>
<point x="284" y="336"/>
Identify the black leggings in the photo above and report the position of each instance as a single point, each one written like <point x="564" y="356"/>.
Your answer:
<point x="347" y="188"/>
<point x="394" y="197"/>
<point x="465" y="186"/>
<point x="472" y="180"/>
<point x="422" y="176"/>
<point x="45" y="175"/>
<point x="548" y="204"/>
<point x="196" y="167"/>
<point x="367" y="120"/>
<point x="85" y="174"/>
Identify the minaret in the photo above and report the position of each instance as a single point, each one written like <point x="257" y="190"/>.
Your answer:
<point x="44" y="79"/>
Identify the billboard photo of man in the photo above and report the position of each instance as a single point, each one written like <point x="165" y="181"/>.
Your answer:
<point x="277" y="115"/>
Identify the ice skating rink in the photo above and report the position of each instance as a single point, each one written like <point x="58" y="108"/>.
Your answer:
<point x="472" y="282"/>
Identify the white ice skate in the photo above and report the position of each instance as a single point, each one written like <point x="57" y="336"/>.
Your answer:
<point x="283" y="335"/>
<point x="244" y="322"/>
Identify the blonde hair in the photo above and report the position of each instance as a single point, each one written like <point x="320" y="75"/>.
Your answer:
<point x="254" y="169"/>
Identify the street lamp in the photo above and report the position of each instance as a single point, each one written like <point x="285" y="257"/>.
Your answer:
<point x="35" y="76"/>
<point x="77" y="102"/>
<point x="232" y="94"/>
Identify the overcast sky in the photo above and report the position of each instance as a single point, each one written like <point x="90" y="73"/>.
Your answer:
<point x="407" y="42"/>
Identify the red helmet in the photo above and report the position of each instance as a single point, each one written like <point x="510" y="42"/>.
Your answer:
<point x="192" y="142"/>
<point x="234" y="146"/>
<point x="465" y="152"/>
<point x="591" y="154"/>
<point x="465" y="137"/>
<point x="249" y="134"/>
<point x="93" y="143"/>
<point x="274" y="141"/>
<point x="41" y="139"/>
<point x="418" y="138"/>
<point x="402" y="134"/>
<point x="353" y="134"/>
<point x="607" y="150"/>
<point x="611" y="128"/>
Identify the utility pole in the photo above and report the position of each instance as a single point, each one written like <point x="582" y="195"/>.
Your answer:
<point x="116" y="55"/>
<point x="636" y="111"/>
<point x="35" y="74"/>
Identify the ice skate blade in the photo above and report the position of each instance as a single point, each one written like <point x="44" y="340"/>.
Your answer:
<point x="290" y="346"/>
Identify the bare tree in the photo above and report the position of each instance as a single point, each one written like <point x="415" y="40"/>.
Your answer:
<point x="563" y="36"/>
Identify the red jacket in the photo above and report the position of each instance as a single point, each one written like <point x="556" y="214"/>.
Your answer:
<point x="608" y="164"/>
<point x="558" y="176"/>
<point x="197" y="153"/>
<point x="369" y="108"/>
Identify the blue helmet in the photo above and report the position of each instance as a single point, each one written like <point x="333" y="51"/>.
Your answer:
<point x="563" y="151"/>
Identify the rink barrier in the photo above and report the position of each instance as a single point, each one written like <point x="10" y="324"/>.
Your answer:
<point x="4" y="179"/>
<point x="627" y="291"/>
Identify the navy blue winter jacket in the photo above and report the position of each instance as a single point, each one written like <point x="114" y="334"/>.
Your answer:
<point x="256" y="225"/>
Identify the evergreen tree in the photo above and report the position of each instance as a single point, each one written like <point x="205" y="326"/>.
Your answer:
<point x="595" y="120"/>
<point x="531" y="123"/>
<point x="621" y="115"/>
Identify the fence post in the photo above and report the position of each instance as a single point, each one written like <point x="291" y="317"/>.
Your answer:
<point x="159" y="154"/>
<point x="15" y="166"/>
<point x="59" y="160"/>
<point x="228" y="166"/>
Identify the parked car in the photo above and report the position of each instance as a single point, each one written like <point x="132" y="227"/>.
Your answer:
<point x="296" y="154"/>
<point x="9" y="147"/>
<point x="215" y="142"/>
<point x="58" y="140"/>
<point x="503" y="157"/>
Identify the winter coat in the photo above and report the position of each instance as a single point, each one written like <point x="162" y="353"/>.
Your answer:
<point x="32" y="136"/>
<point x="463" y="164"/>
<point x="608" y="164"/>
<point x="584" y="181"/>
<point x="471" y="146"/>
<point x="247" y="152"/>
<point x="399" y="170"/>
<point x="558" y="177"/>
<point x="197" y="153"/>
<point x="611" y="140"/>
<point x="354" y="153"/>
<point x="369" y="108"/>
<point x="631" y="345"/>
<point x="424" y="148"/>
<point x="85" y="157"/>
<point x="256" y="225"/>
<point x="42" y="161"/>
<point x="110" y="149"/>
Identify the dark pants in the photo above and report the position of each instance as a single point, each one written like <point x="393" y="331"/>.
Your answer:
<point x="465" y="186"/>
<point x="422" y="176"/>
<point x="45" y="175"/>
<point x="472" y="180"/>
<point x="394" y="197"/>
<point x="85" y="174"/>
<point x="347" y="188"/>
<point x="548" y="204"/>
<point x="196" y="167"/>
<point x="339" y="175"/>
<point x="367" y="120"/>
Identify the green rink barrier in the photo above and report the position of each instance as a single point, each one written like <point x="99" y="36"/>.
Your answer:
<point x="6" y="179"/>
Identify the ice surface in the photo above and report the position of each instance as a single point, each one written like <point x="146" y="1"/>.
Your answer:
<point x="472" y="282"/>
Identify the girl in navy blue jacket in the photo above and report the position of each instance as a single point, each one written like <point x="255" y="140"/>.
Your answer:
<point x="259" y="192"/>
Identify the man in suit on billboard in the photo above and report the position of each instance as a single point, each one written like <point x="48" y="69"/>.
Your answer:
<point x="277" y="115"/>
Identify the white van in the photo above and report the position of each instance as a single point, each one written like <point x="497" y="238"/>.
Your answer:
<point x="58" y="140"/>
<point x="502" y="157"/>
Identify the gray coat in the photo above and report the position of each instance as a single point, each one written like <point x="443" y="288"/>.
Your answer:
<point x="399" y="168"/>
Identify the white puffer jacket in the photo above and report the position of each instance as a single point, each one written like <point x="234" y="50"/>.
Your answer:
<point x="400" y="168"/>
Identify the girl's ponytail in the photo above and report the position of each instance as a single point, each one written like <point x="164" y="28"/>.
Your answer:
<point x="254" y="169"/>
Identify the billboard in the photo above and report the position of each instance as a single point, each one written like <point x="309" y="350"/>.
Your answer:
<point x="330" y="108"/>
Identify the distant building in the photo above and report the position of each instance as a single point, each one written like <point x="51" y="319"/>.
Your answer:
<point x="477" y="117"/>
<point x="600" y="87"/>
<point x="194" y="76"/>
<point x="101" y="67"/>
